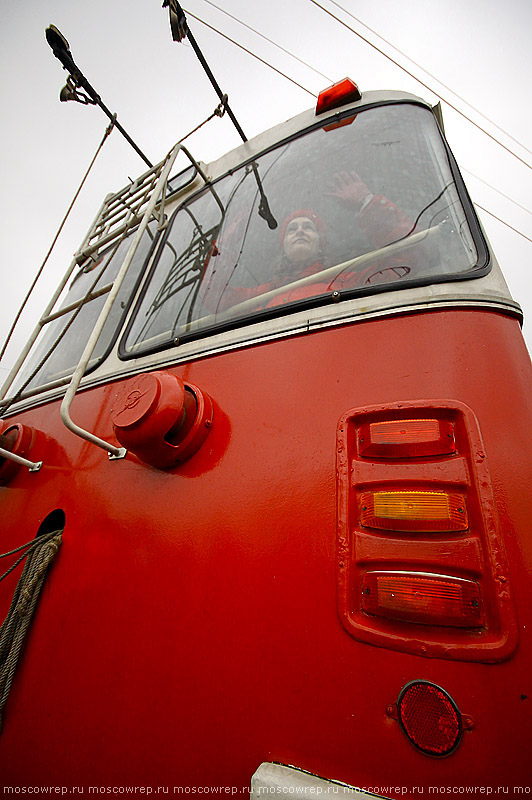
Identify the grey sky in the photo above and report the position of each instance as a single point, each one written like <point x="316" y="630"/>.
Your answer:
<point x="480" y="48"/>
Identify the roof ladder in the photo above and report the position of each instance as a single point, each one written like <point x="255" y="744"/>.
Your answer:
<point x="118" y="213"/>
<point x="102" y="233"/>
<point x="134" y="205"/>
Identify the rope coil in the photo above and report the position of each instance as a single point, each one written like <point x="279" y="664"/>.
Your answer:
<point x="40" y="553"/>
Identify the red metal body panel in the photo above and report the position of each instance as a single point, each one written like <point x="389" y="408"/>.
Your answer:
<point x="188" y="630"/>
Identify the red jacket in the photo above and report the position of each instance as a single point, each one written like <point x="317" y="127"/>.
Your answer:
<point x="381" y="221"/>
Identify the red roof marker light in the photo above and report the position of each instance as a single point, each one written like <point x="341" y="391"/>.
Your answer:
<point x="339" y="94"/>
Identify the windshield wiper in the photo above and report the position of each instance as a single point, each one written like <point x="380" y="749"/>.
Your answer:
<point x="180" y="29"/>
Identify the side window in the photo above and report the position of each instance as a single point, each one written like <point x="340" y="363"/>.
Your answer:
<point x="174" y="292"/>
<point x="64" y="339"/>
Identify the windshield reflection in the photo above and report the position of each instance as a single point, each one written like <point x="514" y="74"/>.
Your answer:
<point x="367" y="203"/>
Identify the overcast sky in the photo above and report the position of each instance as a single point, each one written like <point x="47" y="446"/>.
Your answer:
<point x="478" y="48"/>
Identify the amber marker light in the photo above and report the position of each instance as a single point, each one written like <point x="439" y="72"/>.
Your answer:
<point x="413" y="511"/>
<point x="339" y="94"/>
<point x="406" y="438"/>
<point x="422" y="598"/>
<point x="429" y="718"/>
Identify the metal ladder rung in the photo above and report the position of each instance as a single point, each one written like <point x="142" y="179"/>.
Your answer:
<point x="110" y="221"/>
<point x="131" y="205"/>
<point x="128" y="199"/>
<point x="45" y="387"/>
<point x="72" y="306"/>
<point x="150" y="192"/>
<point x="82" y="255"/>
<point x="130" y="195"/>
<point x="104" y="232"/>
<point x="121" y="211"/>
<point x="107" y="224"/>
<point x="118" y="217"/>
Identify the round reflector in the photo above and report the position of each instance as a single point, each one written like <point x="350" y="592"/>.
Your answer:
<point x="430" y="718"/>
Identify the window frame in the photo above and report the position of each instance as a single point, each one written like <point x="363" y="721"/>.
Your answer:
<point x="479" y="270"/>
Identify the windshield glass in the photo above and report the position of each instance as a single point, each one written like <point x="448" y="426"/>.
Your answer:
<point x="361" y="204"/>
<point x="63" y="340"/>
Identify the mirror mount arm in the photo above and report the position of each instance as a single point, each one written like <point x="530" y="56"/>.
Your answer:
<point x="61" y="50"/>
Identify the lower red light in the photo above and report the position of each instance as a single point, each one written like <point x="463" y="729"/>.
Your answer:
<point x="429" y="718"/>
<point x="422" y="598"/>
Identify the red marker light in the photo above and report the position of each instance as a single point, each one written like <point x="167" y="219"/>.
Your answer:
<point x="406" y="438"/>
<point x="339" y="94"/>
<point x="422" y="598"/>
<point x="429" y="718"/>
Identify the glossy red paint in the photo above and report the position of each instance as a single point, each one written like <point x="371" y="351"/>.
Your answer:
<point x="160" y="419"/>
<point x="189" y="630"/>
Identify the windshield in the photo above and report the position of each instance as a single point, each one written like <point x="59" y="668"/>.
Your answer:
<point x="366" y="202"/>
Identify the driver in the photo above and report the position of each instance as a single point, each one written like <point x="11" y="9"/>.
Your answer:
<point x="303" y="241"/>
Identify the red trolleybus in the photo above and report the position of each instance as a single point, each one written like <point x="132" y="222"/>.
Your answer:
<point x="278" y="516"/>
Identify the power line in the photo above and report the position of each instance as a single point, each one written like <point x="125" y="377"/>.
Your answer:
<point x="209" y="2"/>
<point x="489" y="185"/>
<point x="426" y="86"/>
<point x="498" y="191"/>
<point x="279" y="72"/>
<point x="249" y="52"/>
<point x="462" y="99"/>
<point x="271" y="41"/>
<point x="515" y="230"/>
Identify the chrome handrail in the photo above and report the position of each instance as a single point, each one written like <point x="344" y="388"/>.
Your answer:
<point x="115" y="452"/>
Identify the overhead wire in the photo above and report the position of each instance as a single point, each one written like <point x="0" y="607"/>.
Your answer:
<point x="425" y="85"/>
<point x="209" y="2"/>
<point x="419" y="66"/>
<point x="326" y="77"/>
<point x="249" y="52"/>
<point x="490" y="186"/>
<point x="56" y="237"/>
<point x="515" y="230"/>
<point x="270" y="41"/>
<point x="498" y="191"/>
<point x="237" y="44"/>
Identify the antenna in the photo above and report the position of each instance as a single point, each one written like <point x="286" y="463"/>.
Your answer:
<point x="180" y="29"/>
<point x="77" y="81"/>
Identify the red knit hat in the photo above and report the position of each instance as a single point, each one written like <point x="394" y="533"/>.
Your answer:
<point x="310" y="214"/>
